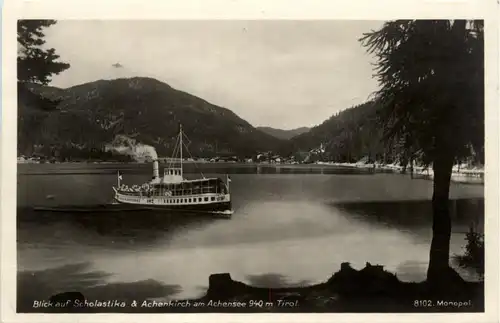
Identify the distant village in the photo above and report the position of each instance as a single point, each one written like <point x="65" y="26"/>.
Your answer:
<point x="466" y="172"/>
<point x="263" y="157"/>
<point x="268" y="157"/>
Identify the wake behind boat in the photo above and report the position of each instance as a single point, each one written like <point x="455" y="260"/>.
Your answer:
<point x="174" y="192"/>
<point x="87" y="208"/>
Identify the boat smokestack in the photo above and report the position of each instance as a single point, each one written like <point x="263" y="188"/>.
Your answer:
<point x="156" y="171"/>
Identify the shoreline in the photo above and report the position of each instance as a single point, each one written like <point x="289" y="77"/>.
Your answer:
<point x="473" y="176"/>
<point x="385" y="167"/>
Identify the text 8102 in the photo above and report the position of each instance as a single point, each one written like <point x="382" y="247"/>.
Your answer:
<point x="423" y="303"/>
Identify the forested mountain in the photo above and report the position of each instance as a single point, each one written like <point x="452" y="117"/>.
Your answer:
<point x="80" y="121"/>
<point x="284" y="134"/>
<point x="88" y="116"/>
<point x="347" y="136"/>
<point x="357" y="133"/>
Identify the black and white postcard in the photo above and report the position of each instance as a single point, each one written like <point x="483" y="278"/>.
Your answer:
<point x="309" y="161"/>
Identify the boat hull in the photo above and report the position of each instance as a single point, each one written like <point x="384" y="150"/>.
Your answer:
<point x="218" y="207"/>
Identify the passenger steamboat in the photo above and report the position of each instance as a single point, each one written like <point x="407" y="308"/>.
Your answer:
<point x="174" y="192"/>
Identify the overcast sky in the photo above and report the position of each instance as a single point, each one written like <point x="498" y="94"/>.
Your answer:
<point x="283" y="74"/>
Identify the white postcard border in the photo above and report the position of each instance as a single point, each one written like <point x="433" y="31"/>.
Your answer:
<point x="236" y="9"/>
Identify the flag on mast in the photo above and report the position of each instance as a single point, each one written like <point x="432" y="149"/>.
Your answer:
<point x="119" y="178"/>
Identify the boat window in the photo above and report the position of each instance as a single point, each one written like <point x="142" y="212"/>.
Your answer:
<point x="189" y="200"/>
<point x="213" y="198"/>
<point x="206" y="199"/>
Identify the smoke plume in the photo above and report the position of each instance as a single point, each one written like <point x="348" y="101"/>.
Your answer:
<point x="124" y="145"/>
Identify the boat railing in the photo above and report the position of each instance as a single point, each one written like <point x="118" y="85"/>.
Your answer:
<point x="129" y="193"/>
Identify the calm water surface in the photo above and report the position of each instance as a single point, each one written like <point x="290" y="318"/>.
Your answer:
<point x="289" y="227"/>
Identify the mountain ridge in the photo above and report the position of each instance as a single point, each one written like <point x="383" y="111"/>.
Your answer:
<point x="282" y="133"/>
<point x="90" y="115"/>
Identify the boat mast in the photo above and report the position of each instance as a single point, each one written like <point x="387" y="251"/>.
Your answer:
<point x="180" y="143"/>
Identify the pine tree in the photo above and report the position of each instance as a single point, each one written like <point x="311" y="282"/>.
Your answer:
<point x="35" y="63"/>
<point x="432" y="94"/>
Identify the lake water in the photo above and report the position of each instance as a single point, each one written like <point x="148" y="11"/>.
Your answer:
<point x="290" y="226"/>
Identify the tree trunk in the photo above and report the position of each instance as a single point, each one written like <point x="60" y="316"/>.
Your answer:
<point x="439" y="269"/>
